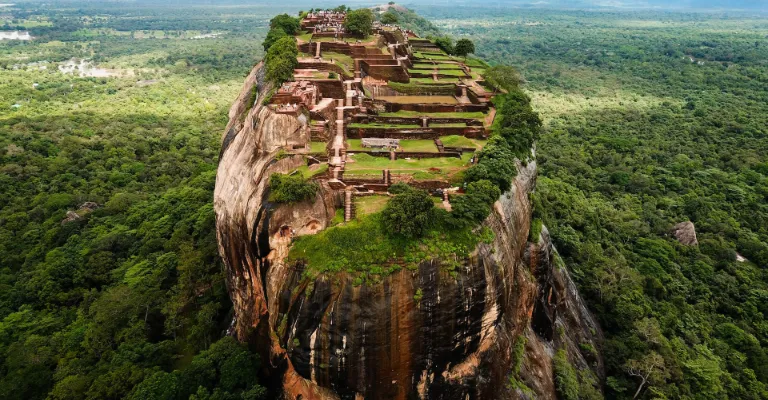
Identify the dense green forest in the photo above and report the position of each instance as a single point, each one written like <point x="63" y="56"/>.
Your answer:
<point x="650" y="119"/>
<point x="124" y="297"/>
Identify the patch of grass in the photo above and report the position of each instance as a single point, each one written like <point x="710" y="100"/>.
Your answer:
<point x="418" y="145"/>
<point x="362" y="246"/>
<point x="308" y="173"/>
<point x="318" y="147"/>
<point x="344" y="59"/>
<point x="366" y="205"/>
<point x="452" y="72"/>
<point x="474" y="62"/>
<point x="434" y="88"/>
<point x="304" y="36"/>
<point x="458" y="141"/>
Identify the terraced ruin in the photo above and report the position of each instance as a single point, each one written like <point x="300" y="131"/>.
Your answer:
<point x="388" y="108"/>
<point x="374" y="212"/>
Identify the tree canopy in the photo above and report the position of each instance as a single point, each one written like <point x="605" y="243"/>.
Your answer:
<point x="287" y="23"/>
<point x="359" y="22"/>
<point x="503" y="77"/>
<point x="464" y="47"/>
<point x="281" y="60"/>
<point x="408" y="214"/>
<point x="290" y="189"/>
<point x="389" y="18"/>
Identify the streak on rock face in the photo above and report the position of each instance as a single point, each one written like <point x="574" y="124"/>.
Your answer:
<point x="326" y="338"/>
<point x="563" y="322"/>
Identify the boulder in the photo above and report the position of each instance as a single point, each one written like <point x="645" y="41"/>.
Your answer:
<point x="685" y="233"/>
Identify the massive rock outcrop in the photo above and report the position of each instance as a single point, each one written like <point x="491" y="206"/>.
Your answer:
<point x="420" y="333"/>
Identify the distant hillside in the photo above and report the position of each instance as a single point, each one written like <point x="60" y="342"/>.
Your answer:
<point x="408" y="19"/>
<point x="691" y="5"/>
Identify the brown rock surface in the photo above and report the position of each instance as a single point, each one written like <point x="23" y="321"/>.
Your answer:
<point x="685" y="232"/>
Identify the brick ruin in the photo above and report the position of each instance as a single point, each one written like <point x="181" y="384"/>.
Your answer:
<point x="392" y="93"/>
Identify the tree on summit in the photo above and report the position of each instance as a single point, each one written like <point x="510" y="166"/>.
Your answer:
<point x="288" y="24"/>
<point x="281" y="60"/>
<point x="388" y="18"/>
<point x="464" y="47"/>
<point x="408" y="214"/>
<point x="359" y="22"/>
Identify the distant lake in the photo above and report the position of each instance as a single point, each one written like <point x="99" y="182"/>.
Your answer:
<point x="15" y="35"/>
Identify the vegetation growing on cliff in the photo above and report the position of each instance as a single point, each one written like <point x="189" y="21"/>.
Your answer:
<point x="291" y="188"/>
<point x="566" y="381"/>
<point x="363" y="247"/>
<point x="280" y="60"/>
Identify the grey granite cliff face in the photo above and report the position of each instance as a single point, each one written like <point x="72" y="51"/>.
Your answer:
<point x="327" y="338"/>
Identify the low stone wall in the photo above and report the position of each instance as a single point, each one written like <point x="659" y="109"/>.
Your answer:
<point x="321" y="66"/>
<point x="391" y="73"/>
<point x="378" y="185"/>
<point x="360" y="51"/>
<point x="429" y="186"/>
<point x="380" y="61"/>
<point x="391" y="36"/>
<point x="459" y="149"/>
<point x="379" y="56"/>
<point x="472" y="96"/>
<point x="354" y="181"/>
<point x="336" y="47"/>
<point x="327" y="114"/>
<point x="330" y="88"/>
<point x="428" y="74"/>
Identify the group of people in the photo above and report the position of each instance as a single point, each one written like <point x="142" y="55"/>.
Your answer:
<point x="287" y="107"/>
<point x="332" y="27"/>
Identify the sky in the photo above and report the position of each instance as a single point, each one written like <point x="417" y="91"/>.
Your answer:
<point x="686" y="5"/>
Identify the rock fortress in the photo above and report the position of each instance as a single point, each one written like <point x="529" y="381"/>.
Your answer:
<point x="337" y="305"/>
